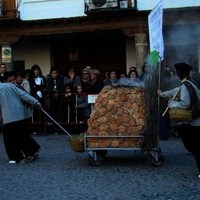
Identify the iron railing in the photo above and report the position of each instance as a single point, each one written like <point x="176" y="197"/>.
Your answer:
<point x="94" y="6"/>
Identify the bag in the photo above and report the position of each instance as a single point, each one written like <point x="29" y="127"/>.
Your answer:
<point x="195" y="101"/>
<point x="180" y="115"/>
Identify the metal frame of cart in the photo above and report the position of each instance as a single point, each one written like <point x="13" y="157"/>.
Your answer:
<point x="96" y="155"/>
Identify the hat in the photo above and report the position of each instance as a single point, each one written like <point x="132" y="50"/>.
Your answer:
<point x="88" y="67"/>
<point x="183" y="67"/>
<point x="84" y="70"/>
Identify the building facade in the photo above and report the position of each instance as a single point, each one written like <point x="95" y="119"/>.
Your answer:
<point x="105" y="34"/>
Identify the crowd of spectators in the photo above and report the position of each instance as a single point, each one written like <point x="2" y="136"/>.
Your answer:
<point x="65" y="96"/>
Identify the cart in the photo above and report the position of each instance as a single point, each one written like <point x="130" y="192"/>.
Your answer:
<point x="97" y="154"/>
<point x="147" y="141"/>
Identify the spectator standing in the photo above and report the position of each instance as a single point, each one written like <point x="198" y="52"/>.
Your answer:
<point x="72" y="78"/>
<point x="68" y="105"/>
<point x="37" y="83"/>
<point x="113" y="79"/>
<point x="3" y="70"/>
<point x="96" y="83"/>
<point x="22" y="81"/>
<point x="54" y="82"/>
<point x="106" y="80"/>
<point x="27" y="74"/>
<point x="132" y="68"/>
<point x="9" y="76"/>
<point x="38" y="86"/>
<point x="54" y="88"/>
<point x="83" y="108"/>
<point x="85" y="80"/>
<point x="134" y="79"/>
<point x="133" y="75"/>
<point x="123" y="75"/>
<point x="88" y="68"/>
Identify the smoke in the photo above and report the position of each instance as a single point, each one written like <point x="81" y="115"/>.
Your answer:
<point x="181" y="44"/>
<point x="129" y="82"/>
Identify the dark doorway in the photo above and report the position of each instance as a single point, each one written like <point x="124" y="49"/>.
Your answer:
<point x="19" y="65"/>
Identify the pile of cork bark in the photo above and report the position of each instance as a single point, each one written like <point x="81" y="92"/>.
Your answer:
<point x="118" y="117"/>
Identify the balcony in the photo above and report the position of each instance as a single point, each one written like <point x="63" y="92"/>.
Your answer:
<point x="96" y="6"/>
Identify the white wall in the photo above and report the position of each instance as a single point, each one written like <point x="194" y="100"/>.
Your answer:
<point x="47" y="9"/>
<point x="130" y="53"/>
<point x="33" y="54"/>
<point x="150" y="4"/>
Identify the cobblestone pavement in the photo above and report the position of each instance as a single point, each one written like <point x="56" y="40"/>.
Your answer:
<point x="59" y="174"/>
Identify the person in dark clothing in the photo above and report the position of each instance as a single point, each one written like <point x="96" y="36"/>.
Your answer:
<point x="38" y="86"/>
<point x="72" y="78"/>
<point x="83" y="108"/>
<point x="54" y="87"/>
<point x="96" y="83"/>
<point x="27" y="144"/>
<point x="3" y="70"/>
<point x="37" y="83"/>
<point x="20" y="146"/>
<point x="85" y="80"/>
<point x="68" y="101"/>
<point x="188" y="131"/>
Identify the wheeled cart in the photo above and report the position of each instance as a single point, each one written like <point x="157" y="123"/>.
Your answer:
<point x="136" y="143"/>
<point x="120" y="121"/>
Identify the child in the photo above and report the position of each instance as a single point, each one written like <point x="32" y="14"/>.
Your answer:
<point x="68" y="104"/>
<point x="82" y="106"/>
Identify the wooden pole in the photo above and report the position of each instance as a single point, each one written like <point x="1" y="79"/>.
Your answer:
<point x="174" y="97"/>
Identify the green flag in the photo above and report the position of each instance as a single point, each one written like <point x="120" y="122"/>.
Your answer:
<point x="153" y="58"/>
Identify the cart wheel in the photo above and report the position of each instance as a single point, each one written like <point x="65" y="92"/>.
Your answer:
<point x="97" y="162"/>
<point x="155" y="162"/>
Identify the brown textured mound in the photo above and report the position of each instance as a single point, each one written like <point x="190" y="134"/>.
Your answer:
<point x="118" y="111"/>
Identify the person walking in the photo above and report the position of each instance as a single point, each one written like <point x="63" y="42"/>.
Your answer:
<point x="188" y="131"/>
<point x="14" y="114"/>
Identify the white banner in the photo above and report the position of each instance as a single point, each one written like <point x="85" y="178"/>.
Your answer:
<point x="155" y="20"/>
